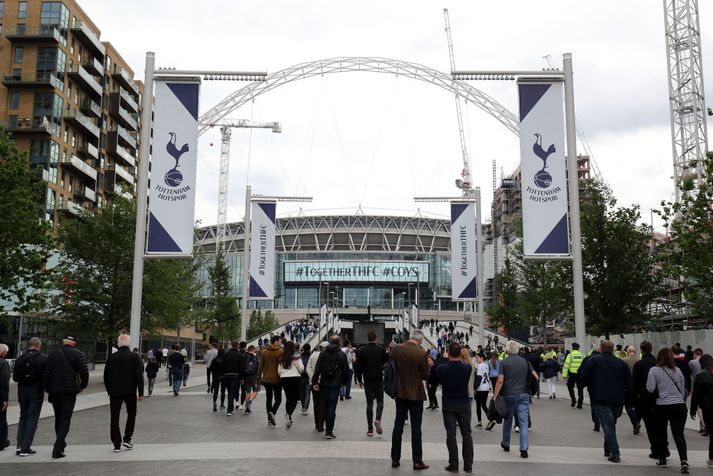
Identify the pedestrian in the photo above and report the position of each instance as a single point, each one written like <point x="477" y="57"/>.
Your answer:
<point x="609" y="382"/>
<point x="631" y="359"/>
<point x="176" y="360"/>
<point x="27" y="372"/>
<point x="466" y="359"/>
<point x="346" y="390"/>
<point x="570" y="371"/>
<point x="65" y="376"/>
<point x="411" y="366"/>
<point x="268" y="377"/>
<point x="123" y="380"/>
<point x="550" y="368"/>
<point x="513" y="385"/>
<point x="231" y="375"/>
<point x="482" y="388"/>
<point x="702" y="398"/>
<point x="217" y="371"/>
<point x="290" y="372"/>
<point x="305" y="392"/>
<point x="695" y="365"/>
<point x="249" y="377"/>
<point x="331" y="373"/>
<point x="151" y="372"/>
<point x="432" y="384"/>
<point x="317" y="402"/>
<point x="456" y="403"/>
<point x="209" y="356"/>
<point x="644" y="401"/>
<point x="4" y="396"/>
<point x="668" y="381"/>
<point x="371" y="359"/>
<point x="186" y="371"/>
<point x="493" y="369"/>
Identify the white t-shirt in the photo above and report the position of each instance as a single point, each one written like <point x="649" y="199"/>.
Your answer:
<point x="482" y="370"/>
<point x="350" y="355"/>
<point x="165" y="352"/>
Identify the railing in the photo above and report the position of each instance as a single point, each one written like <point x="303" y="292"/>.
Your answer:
<point x="124" y="134"/>
<point x="90" y="106"/>
<point x="124" y="114"/>
<point x="42" y="32"/>
<point x="128" y="80"/>
<point x="80" y="165"/>
<point x="31" y="80"/>
<point x="87" y="78"/>
<point x="90" y="36"/>
<point x="88" y="149"/>
<point x="83" y="120"/>
<point x="126" y="96"/>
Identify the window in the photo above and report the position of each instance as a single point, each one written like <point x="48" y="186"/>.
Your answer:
<point x="14" y="100"/>
<point x="16" y="73"/>
<point x="22" y="10"/>
<point x="55" y="14"/>
<point x="12" y="122"/>
<point x="66" y="136"/>
<point x="18" y="55"/>
<point x="2" y="9"/>
<point x="48" y="106"/>
<point x="74" y="139"/>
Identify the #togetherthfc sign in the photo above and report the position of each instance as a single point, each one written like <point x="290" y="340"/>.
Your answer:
<point x="262" y="250"/>
<point x="463" y="264"/>
<point x="543" y="166"/>
<point x="173" y="169"/>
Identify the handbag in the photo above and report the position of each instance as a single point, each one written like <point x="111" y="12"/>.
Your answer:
<point x="77" y="378"/>
<point x="677" y="387"/>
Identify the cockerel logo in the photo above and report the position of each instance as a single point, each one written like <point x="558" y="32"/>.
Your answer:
<point x="542" y="178"/>
<point x="174" y="177"/>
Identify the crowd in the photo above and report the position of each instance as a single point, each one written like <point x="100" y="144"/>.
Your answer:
<point x="652" y="389"/>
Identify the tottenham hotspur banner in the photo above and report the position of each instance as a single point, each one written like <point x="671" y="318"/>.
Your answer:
<point x="463" y="265"/>
<point x="173" y="169"/>
<point x="544" y="178"/>
<point x="262" y="250"/>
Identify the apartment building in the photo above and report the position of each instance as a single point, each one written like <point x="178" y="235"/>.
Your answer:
<point x="70" y="100"/>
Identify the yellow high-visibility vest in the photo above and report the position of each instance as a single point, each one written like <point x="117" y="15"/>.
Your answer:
<point x="572" y="363"/>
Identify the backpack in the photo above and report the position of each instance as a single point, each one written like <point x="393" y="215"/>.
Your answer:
<point x="330" y="365"/>
<point x="25" y="368"/>
<point x="390" y="387"/>
<point x="251" y="365"/>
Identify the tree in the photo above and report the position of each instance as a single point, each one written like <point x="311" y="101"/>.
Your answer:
<point x="170" y="294"/>
<point x="505" y="312"/>
<point x="225" y="313"/>
<point x="25" y="239"/>
<point x="261" y="324"/>
<point x="688" y="256"/>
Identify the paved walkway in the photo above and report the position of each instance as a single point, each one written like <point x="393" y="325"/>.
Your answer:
<point x="182" y="435"/>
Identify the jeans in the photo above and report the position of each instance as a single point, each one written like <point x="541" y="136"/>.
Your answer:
<point x="374" y="391"/>
<point x="177" y="378"/>
<point x="30" y="398"/>
<point x="631" y="413"/>
<point x="414" y="410"/>
<point x="330" y="395"/>
<point x="454" y="417"/>
<point x="63" y="408"/>
<point x="152" y="381"/>
<point x="432" y="398"/>
<point x="115" y="408"/>
<point x="231" y="382"/>
<point x="519" y="407"/>
<point x="347" y="389"/>
<point x="273" y="391"/>
<point x="675" y="415"/>
<point x="607" y="416"/>
<point x="185" y="378"/>
<point x="305" y="394"/>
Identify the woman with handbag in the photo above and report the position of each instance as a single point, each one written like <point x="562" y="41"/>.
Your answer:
<point x="702" y="397"/>
<point x="668" y="381"/>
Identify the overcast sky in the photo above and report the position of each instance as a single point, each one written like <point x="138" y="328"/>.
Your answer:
<point x="377" y="140"/>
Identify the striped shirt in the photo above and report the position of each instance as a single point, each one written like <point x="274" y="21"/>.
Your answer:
<point x="662" y="380"/>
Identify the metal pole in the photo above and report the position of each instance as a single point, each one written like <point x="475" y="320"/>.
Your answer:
<point x="246" y="266"/>
<point x="573" y="185"/>
<point x="137" y="283"/>
<point x="480" y="264"/>
<point x="19" y="339"/>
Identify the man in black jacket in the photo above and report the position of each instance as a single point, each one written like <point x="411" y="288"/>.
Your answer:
<point x="123" y="377"/>
<point x="644" y="401"/>
<point x="65" y="376"/>
<point x="330" y="373"/>
<point x="27" y="372"/>
<point x="231" y="377"/>
<point x="580" y="388"/>
<point x="371" y="360"/>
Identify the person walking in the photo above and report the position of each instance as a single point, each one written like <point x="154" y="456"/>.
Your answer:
<point x="27" y="372"/>
<point x="317" y="402"/>
<point x="702" y="398"/>
<point x="371" y="360"/>
<point x="456" y="406"/>
<point x="268" y="377"/>
<point x="209" y="356"/>
<point x="550" y="369"/>
<point x="290" y="372"/>
<point x="305" y="393"/>
<point x="644" y="402"/>
<point x="411" y="366"/>
<point x="482" y="387"/>
<point x="695" y="365"/>
<point x="631" y="359"/>
<point x="493" y="369"/>
<point x="513" y="385"/>
<point x="432" y="384"/>
<point x="4" y="396"/>
<point x="346" y="390"/>
<point x="249" y="377"/>
<point x="609" y="381"/>
<point x="217" y="372"/>
<point x="570" y="371"/>
<point x="65" y="376"/>
<point x="175" y="363"/>
<point x="667" y="380"/>
<point x="231" y="375"/>
<point x="331" y="373"/>
<point x="123" y="379"/>
<point x="151" y="372"/>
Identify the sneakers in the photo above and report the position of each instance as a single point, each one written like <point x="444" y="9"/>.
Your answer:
<point x="215" y="409"/>
<point x="377" y="425"/>
<point x="554" y="396"/>
<point x="247" y="410"/>
<point x="517" y="429"/>
<point x="684" y="467"/>
<point x="637" y="428"/>
<point x="330" y="436"/>
<point x="271" y="419"/>
<point x="661" y="463"/>
<point x="222" y="407"/>
<point x="229" y="414"/>
<point x="574" y="404"/>
<point x="369" y="432"/>
<point x="128" y="445"/>
<point x="117" y="449"/>
<point x="288" y="421"/>
<point x="505" y="448"/>
<point x="58" y="454"/>
<point x="26" y="452"/>
<point x="451" y="469"/>
<point x="479" y="425"/>
<point x="491" y="425"/>
<point x="523" y="454"/>
<point x="614" y="459"/>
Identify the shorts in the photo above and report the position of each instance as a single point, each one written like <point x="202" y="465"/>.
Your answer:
<point x="249" y="385"/>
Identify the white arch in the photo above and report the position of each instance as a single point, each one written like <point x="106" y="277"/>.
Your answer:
<point x="359" y="64"/>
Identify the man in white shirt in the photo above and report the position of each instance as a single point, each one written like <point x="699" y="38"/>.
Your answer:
<point x="209" y="356"/>
<point x="345" y="392"/>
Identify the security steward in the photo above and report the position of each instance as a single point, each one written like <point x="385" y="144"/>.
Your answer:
<point x="570" y="371"/>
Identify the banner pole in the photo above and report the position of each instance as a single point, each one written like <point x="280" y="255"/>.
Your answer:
<point x="573" y="185"/>
<point x="480" y="268"/>
<point x="137" y="282"/>
<point x="244" y="318"/>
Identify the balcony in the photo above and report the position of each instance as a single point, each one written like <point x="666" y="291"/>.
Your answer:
<point x="127" y="100"/>
<point x="117" y="151"/>
<point x="41" y="173"/>
<point x="88" y="151"/>
<point x="84" y="34"/>
<point x="120" y="173"/>
<point x="76" y="118"/>
<point x="125" y="138"/>
<point x="91" y="108"/>
<point x="123" y="116"/>
<point x="86" y="192"/>
<point x="34" y="34"/>
<point x="71" y="208"/>
<point x="80" y="166"/>
<point x="94" y="66"/>
<point x="82" y="77"/>
<point x="30" y="126"/>
<point x="33" y="81"/>
<point x="125" y="79"/>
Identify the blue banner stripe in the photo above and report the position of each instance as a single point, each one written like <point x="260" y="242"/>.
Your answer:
<point x="469" y="291"/>
<point x="530" y="95"/>
<point x="159" y="240"/>
<point x="457" y="210"/>
<point x="557" y="242"/>
<point x="255" y="289"/>
<point x="187" y="93"/>
<point x="269" y="210"/>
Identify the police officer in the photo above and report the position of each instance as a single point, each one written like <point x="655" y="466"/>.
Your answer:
<point x="571" y="373"/>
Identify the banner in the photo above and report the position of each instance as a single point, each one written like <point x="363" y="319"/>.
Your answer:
<point x="463" y="263"/>
<point x="414" y="316"/>
<point x="543" y="167"/>
<point x="262" y="250"/>
<point x="322" y="316"/>
<point x="356" y="271"/>
<point x="337" y="325"/>
<point x="173" y="169"/>
<point x="330" y="321"/>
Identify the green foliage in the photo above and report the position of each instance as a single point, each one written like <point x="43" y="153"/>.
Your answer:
<point x="505" y="312"/>
<point x="261" y="323"/>
<point x="25" y="239"/>
<point x="688" y="257"/>
<point x="169" y="294"/>
<point x="225" y="315"/>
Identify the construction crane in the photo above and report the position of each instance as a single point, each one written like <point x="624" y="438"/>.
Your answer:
<point x="465" y="183"/>
<point x="226" y="127"/>
<point x="689" y="132"/>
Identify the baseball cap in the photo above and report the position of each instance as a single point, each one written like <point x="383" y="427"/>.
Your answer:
<point x="69" y="337"/>
<point x="323" y="345"/>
